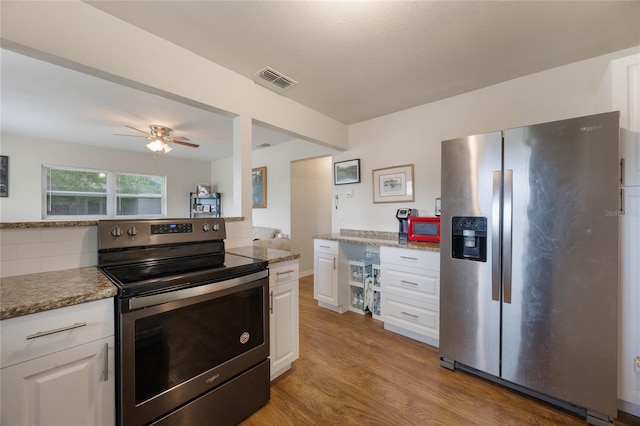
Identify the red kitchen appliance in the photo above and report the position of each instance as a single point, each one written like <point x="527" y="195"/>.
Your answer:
<point x="425" y="229"/>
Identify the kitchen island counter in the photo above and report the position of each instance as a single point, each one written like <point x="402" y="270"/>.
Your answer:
<point x="31" y="293"/>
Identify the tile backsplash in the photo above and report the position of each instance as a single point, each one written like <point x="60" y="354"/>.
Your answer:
<point x="28" y="251"/>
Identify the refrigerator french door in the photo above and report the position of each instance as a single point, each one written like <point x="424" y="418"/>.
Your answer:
<point x="529" y="260"/>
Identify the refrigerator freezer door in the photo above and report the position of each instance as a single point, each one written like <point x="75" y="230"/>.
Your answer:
<point x="559" y="331"/>
<point x="469" y="317"/>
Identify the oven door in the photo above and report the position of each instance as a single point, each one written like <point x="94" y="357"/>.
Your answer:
<point x="176" y="346"/>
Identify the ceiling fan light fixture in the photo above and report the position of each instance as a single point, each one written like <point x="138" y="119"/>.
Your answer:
<point x="156" y="145"/>
<point x="166" y="147"/>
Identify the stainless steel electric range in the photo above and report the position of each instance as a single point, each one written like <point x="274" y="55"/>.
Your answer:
<point x="191" y="320"/>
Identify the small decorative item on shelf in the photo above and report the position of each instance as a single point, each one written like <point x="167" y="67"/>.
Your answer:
<point x="204" y="189"/>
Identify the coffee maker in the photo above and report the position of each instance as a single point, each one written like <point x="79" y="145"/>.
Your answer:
<point x="403" y="217"/>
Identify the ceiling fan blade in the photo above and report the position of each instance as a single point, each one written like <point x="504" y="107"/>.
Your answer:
<point x="180" y="138"/>
<point x="192" y="145"/>
<point x="133" y="136"/>
<point x="138" y="130"/>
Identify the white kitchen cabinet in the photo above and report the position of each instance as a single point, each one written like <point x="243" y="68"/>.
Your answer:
<point x="284" y="316"/>
<point x="411" y="293"/>
<point x="326" y="288"/>
<point x="620" y="91"/>
<point x="626" y="99"/>
<point x="629" y="301"/>
<point x="58" y="366"/>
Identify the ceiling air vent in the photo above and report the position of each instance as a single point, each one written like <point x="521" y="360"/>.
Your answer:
<point x="273" y="77"/>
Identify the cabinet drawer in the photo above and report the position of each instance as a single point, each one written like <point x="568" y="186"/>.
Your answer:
<point x="411" y="282"/>
<point x="410" y="257"/>
<point x="284" y="272"/>
<point x="421" y="318"/>
<point x="26" y="337"/>
<point x="325" y="246"/>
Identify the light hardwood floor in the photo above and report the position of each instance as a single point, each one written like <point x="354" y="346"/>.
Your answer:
<point x="353" y="372"/>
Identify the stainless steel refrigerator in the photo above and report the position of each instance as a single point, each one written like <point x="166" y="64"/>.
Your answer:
<point x="529" y="260"/>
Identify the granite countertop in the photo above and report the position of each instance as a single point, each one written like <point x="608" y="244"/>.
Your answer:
<point x="28" y="294"/>
<point x="73" y="223"/>
<point x="264" y="253"/>
<point x="32" y="293"/>
<point x="376" y="238"/>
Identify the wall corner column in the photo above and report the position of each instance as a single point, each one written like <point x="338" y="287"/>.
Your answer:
<point x="242" y="163"/>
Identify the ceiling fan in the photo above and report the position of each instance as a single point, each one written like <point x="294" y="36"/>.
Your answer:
<point x="160" y="138"/>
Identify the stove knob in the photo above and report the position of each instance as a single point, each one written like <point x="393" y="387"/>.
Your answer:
<point x="206" y="227"/>
<point x="116" y="231"/>
<point x="216" y="227"/>
<point x="132" y="231"/>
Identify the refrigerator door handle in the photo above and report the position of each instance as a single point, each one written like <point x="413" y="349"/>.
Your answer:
<point x="495" y="237"/>
<point x="506" y="234"/>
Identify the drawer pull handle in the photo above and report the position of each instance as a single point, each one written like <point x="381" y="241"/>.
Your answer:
<point x="285" y="272"/>
<point x="325" y="246"/>
<point x="407" y="314"/>
<point x="57" y="330"/>
<point x="408" y="258"/>
<point x="408" y="282"/>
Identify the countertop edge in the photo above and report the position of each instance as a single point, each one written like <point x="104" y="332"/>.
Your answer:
<point x="75" y="223"/>
<point x="380" y="242"/>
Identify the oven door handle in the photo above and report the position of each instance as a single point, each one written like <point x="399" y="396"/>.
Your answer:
<point x="172" y="296"/>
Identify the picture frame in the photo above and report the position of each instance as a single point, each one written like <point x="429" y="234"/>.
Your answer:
<point x="206" y="208"/>
<point x="4" y="176"/>
<point x="204" y="189"/>
<point x="346" y="172"/>
<point x="259" y="187"/>
<point x="393" y="184"/>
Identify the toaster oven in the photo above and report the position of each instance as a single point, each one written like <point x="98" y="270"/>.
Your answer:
<point x="425" y="229"/>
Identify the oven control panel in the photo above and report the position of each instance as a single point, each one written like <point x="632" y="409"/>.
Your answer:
<point x="171" y="228"/>
<point x="116" y="233"/>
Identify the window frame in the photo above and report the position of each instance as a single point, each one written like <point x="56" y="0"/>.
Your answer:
<point x="111" y="196"/>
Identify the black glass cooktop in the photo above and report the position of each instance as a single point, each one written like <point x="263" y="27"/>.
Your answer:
<point x="150" y="277"/>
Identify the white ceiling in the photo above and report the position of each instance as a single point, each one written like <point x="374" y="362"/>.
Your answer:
<point x="352" y="60"/>
<point x="48" y="101"/>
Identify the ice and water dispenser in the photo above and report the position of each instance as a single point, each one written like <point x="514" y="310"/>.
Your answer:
<point x="469" y="238"/>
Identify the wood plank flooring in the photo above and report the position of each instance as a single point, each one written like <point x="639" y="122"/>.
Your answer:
<point x="353" y="372"/>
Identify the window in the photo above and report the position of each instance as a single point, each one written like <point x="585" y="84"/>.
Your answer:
<point x="70" y="192"/>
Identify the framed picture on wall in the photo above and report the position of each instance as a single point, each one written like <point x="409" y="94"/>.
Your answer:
<point x="345" y="172"/>
<point x="4" y="176"/>
<point x="259" y="187"/>
<point x="393" y="184"/>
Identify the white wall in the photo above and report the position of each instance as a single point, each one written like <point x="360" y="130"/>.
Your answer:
<point x="414" y="136"/>
<point x="27" y="155"/>
<point x="311" y="186"/>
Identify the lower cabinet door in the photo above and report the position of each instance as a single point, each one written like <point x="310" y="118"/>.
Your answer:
<point x="325" y="279"/>
<point x="283" y="327"/>
<point x="72" y="387"/>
